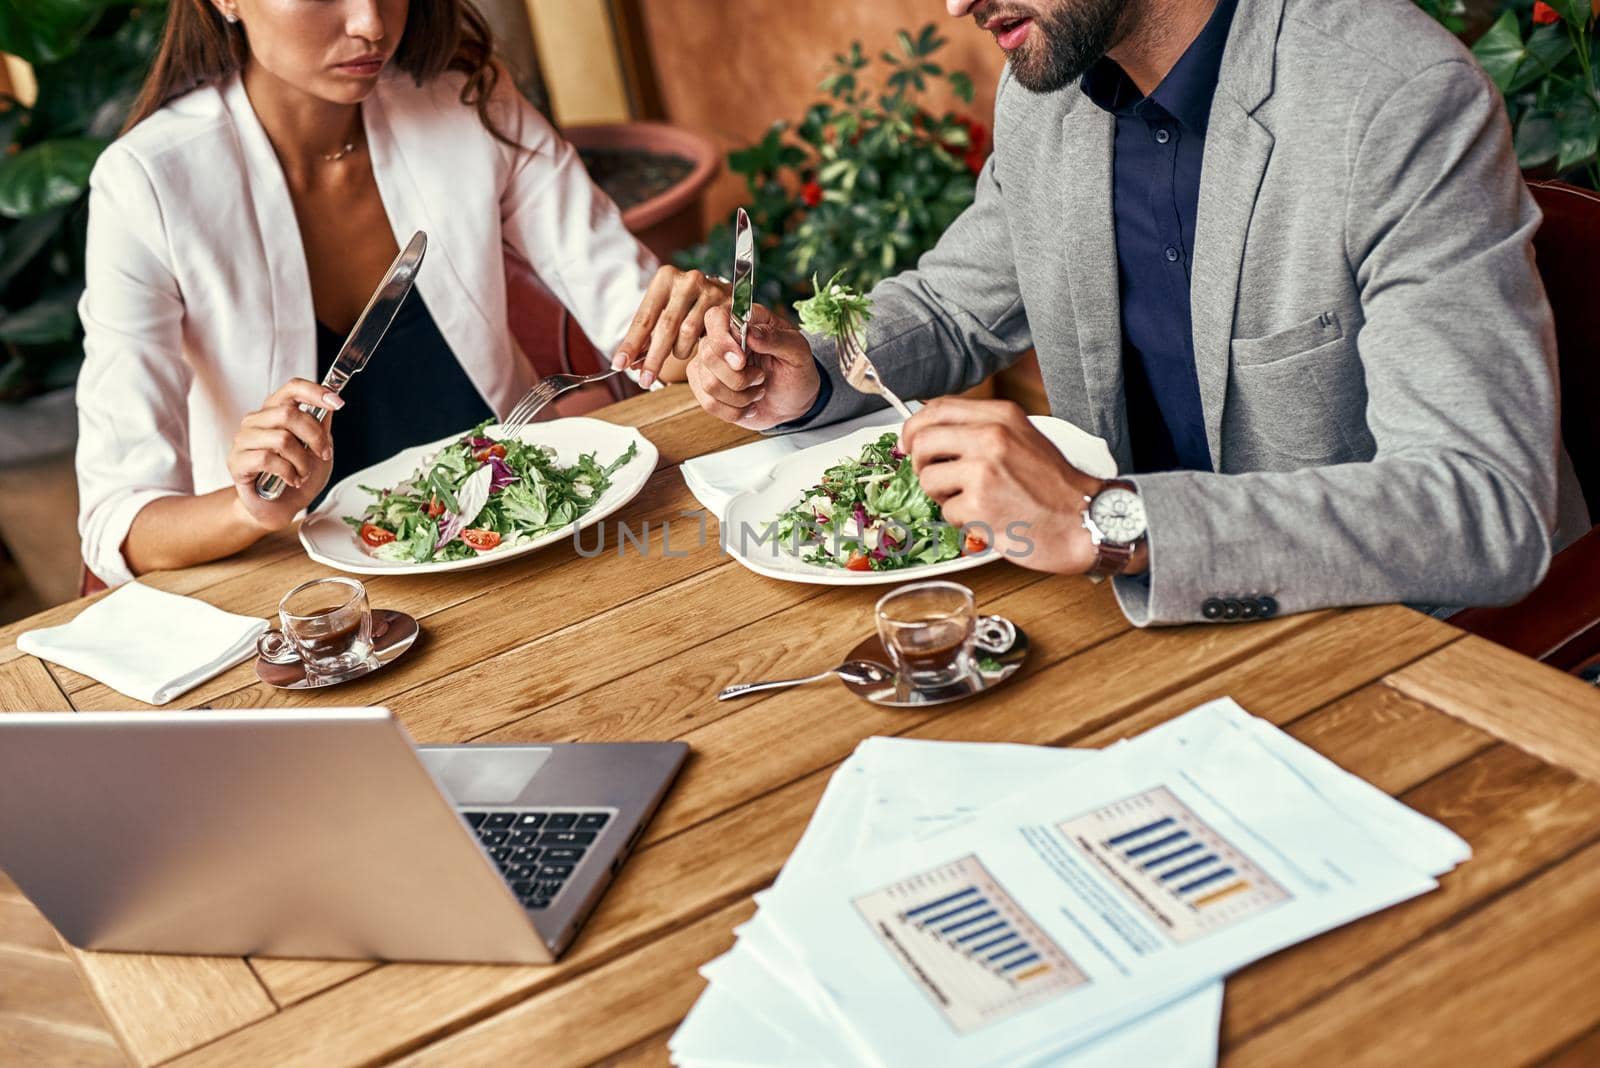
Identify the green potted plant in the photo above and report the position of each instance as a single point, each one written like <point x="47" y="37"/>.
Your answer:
<point x="89" y="57"/>
<point x="1542" y="55"/>
<point x="865" y="182"/>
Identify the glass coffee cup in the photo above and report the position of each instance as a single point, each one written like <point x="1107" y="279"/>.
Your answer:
<point x="327" y="627"/>
<point x="928" y="630"/>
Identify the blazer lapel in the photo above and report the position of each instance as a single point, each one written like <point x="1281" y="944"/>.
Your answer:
<point x="408" y="142"/>
<point x="1237" y="151"/>
<point x="1090" y="265"/>
<point x="1238" y="148"/>
<point x="294" y="336"/>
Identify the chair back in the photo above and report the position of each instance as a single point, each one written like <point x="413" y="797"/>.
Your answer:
<point x="548" y="335"/>
<point x="1567" y="247"/>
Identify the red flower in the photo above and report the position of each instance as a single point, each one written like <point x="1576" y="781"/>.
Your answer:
<point x="1544" y="14"/>
<point x="975" y="159"/>
<point x="811" y="193"/>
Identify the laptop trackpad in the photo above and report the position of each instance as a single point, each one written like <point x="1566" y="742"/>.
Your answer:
<point x="487" y="774"/>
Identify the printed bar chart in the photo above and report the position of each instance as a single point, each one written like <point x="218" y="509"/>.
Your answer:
<point x="1180" y="871"/>
<point x="963" y="940"/>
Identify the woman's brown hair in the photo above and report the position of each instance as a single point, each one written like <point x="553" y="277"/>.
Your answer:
<point x="200" y="47"/>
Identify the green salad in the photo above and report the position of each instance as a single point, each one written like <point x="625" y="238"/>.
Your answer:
<point x="479" y="495"/>
<point x="869" y="513"/>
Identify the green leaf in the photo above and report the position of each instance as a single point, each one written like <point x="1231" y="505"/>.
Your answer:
<point x="46" y="176"/>
<point x="73" y="91"/>
<point x="1537" y="141"/>
<point x="1578" y="130"/>
<point x="1577" y="12"/>
<point x="1501" y="50"/>
<point x="961" y="82"/>
<point x="907" y="45"/>
<point x="13" y="375"/>
<point x="1547" y="47"/>
<point x="43" y="31"/>
<point x="835" y="310"/>
<point x="12" y="119"/>
<point x="25" y="240"/>
<point x="54" y="317"/>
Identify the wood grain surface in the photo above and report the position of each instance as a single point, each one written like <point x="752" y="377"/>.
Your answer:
<point x="1501" y="965"/>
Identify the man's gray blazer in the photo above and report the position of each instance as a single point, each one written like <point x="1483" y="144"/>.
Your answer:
<point x="1374" y="348"/>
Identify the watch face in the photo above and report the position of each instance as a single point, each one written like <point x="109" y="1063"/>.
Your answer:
<point x="1118" y="513"/>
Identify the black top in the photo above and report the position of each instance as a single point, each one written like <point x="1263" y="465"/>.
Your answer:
<point x="412" y="391"/>
<point x="1160" y="141"/>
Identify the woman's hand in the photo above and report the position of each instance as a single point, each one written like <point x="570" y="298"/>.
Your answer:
<point x="282" y="440"/>
<point x="669" y="324"/>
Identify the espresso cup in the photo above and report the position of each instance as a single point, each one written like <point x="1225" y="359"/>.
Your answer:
<point x="927" y="628"/>
<point x="327" y="627"/>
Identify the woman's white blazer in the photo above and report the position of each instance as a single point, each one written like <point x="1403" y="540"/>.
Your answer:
<point x="198" y="303"/>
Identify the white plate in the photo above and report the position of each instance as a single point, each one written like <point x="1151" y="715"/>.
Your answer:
<point x="330" y="540"/>
<point x="755" y="510"/>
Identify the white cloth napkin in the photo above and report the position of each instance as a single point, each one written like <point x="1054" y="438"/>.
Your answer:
<point x="719" y="477"/>
<point x="150" y="645"/>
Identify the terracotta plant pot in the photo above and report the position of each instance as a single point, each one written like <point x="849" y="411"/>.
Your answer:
<point x="671" y="220"/>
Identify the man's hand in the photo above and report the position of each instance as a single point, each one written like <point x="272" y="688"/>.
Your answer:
<point x="777" y="382"/>
<point x="985" y="463"/>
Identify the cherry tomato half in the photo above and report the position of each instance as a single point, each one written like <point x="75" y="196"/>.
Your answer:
<point x="976" y="544"/>
<point x="435" y="508"/>
<point x="497" y="449"/>
<point x="375" y="536"/>
<point x="858" y="562"/>
<point x="481" y="540"/>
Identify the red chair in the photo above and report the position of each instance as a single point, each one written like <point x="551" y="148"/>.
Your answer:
<point x="1559" y="622"/>
<point x="554" y="343"/>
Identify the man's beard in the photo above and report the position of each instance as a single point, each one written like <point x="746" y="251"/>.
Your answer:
<point x="1072" y="37"/>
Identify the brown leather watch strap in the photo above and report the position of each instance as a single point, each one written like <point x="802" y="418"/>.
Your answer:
<point x="1111" y="559"/>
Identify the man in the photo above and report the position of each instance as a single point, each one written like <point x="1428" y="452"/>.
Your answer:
<point x="1277" y="253"/>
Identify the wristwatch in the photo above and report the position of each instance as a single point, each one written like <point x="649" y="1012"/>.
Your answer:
<point x="1115" y="520"/>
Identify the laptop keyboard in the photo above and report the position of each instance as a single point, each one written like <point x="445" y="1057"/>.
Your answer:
<point x="537" y="851"/>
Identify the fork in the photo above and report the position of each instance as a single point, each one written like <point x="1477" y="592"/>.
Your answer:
<point x="547" y="390"/>
<point x="862" y="376"/>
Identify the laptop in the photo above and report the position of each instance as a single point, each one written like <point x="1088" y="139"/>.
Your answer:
<point x="315" y="833"/>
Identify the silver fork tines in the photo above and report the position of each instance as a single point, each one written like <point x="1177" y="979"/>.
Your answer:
<point x="862" y="376"/>
<point x="547" y="390"/>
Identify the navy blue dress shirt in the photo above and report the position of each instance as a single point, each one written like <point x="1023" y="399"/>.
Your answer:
<point x="1160" y="141"/>
<point x="414" y="391"/>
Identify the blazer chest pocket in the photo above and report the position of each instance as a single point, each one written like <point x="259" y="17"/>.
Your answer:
<point x="1296" y="398"/>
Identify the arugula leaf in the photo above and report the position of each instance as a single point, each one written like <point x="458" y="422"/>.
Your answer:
<point x="836" y="311"/>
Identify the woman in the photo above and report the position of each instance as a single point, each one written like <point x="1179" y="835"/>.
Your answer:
<point x="278" y="155"/>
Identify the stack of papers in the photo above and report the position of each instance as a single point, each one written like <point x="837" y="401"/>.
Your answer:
<point x="965" y="904"/>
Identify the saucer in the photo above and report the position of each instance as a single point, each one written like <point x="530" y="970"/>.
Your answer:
<point x="392" y="634"/>
<point x="990" y="669"/>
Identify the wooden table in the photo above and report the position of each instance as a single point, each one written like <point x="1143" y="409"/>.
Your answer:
<point x="1499" y="966"/>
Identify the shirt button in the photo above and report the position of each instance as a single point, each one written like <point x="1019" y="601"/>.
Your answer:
<point x="1172" y="254"/>
<point x="1162" y="135"/>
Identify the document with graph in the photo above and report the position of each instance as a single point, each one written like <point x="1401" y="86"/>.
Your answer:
<point x="1070" y="909"/>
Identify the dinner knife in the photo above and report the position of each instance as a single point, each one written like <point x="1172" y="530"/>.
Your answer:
<point x="744" y="276"/>
<point x="364" y="338"/>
